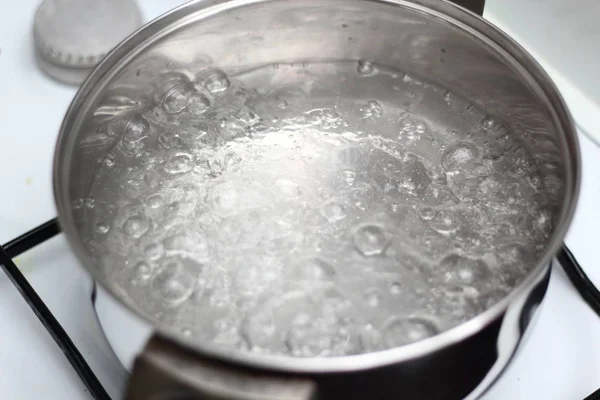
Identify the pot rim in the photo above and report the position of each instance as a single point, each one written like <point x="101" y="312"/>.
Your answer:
<point x="487" y="33"/>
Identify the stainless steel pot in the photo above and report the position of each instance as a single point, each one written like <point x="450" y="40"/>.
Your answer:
<point x="454" y="48"/>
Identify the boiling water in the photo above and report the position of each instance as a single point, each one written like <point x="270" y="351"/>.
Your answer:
<point x="312" y="209"/>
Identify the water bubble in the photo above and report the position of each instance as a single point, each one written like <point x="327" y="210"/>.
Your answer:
<point x="333" y="210"/>
<point x="427" y="213"/>
<point x="489" y="187"/>
<point x="132" y="148"/>
<point x="348" y="175"/>
<point x="239" y="124"/>
<point x="328" y="119"/>
<point x="319" y="269"/>
<point x="420" y="127"/>
<point x="288" y="188"/>
<point x="173" y="284"/>
<point x="155" y="201"/>
<point x="535" y="181"/>
<point x="406" y="184"/>
<point x="102" y="228"/>
<point x="488" y="122"/>
<point x="460" y="269"/>
<point x="459" y="156"/>
<point x="231" y="161"/>
<point x="154" y="251"/>
<point x="283" y="242"/>
<point x="395" y="288"/>
<point x="554" y="185"/>
<point x="371" y="240"/>
<point x="198" y="103"/>
<point x="314" y="117"/>
<point x="224" y="198"/>
<point x="109" y="161"/>
<point x="287" y="97"/>
<point x="281" y="103"/>
<point x="186" y="332"/>
<point x="372" y="297"/>
<point x="460" y="292"/>
<point x="176" y="99"/>
<point x="171" y="210"/>
<point x="398" y="331"/>
<point x="512" y="254"/>
<point x="259" y="329"/>
<point x="141" y="272"/>
<point x="166" y="81"/>
<point x="411" y="80"/>
<point x="365" y="68"/>
<point x="445" y="222"/>
<point x="477" y="170"/>
<point x="370" y="338"/>
<point x="372" y="110"/>
<point x="251" y="277"/>
<point x="448" y="98"/>
<point x="439" y="195"/>
<point x="136" y="129"/>
<point x="410" y="130"/>
<point x="308" y="338"/>
<point x="169" y="140"/>
<point x="413" y="177"/>
<point x="179" y="164"/>
<point x="220" y="299"/>
<point x="216" y="168"/>
<point x="216" y="82"/>
<point x="517" y="163"/>
<point x="543" y="222"/>
<point x="195" y="242"/>
<point x="136" y="226"/>
<point x="89" y="202"/>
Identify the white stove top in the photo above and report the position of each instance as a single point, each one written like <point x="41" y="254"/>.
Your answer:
<point x="560" y="360"/>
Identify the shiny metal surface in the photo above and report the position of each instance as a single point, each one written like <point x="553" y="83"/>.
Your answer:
<point x="163" y="360"/>
<point x="464" y="370"/>
<point x="478" y="63"/>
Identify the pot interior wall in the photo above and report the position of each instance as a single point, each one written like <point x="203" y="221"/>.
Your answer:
<point x="402" y="36"/>
<point x="423" y="45"/>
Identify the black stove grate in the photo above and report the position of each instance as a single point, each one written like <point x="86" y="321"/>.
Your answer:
<point x="61" y="337"/>
<point x="577" y="276"/>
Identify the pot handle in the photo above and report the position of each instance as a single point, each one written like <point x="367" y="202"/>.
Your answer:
<point x="167" y="371"/>
<point x="475" y="6"/>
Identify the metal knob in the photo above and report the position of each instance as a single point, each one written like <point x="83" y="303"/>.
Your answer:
<point x="72" y="36"/>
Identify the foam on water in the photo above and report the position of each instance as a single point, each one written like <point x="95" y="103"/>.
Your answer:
<point x="313" y="209"/>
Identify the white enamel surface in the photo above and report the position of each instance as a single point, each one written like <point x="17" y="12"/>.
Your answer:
<point x="559" y="361"/>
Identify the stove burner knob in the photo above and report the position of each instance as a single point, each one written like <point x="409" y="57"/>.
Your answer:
<point x="72" y="36"/>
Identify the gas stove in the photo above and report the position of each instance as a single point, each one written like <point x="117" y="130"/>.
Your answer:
<point x="559" y="360"/>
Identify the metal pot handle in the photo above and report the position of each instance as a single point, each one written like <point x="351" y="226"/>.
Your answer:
<point x="475" y="6"/>
<point x="167" y="371"/>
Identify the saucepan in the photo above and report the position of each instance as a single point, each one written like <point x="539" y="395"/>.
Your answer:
<point x="317" y="199"/>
